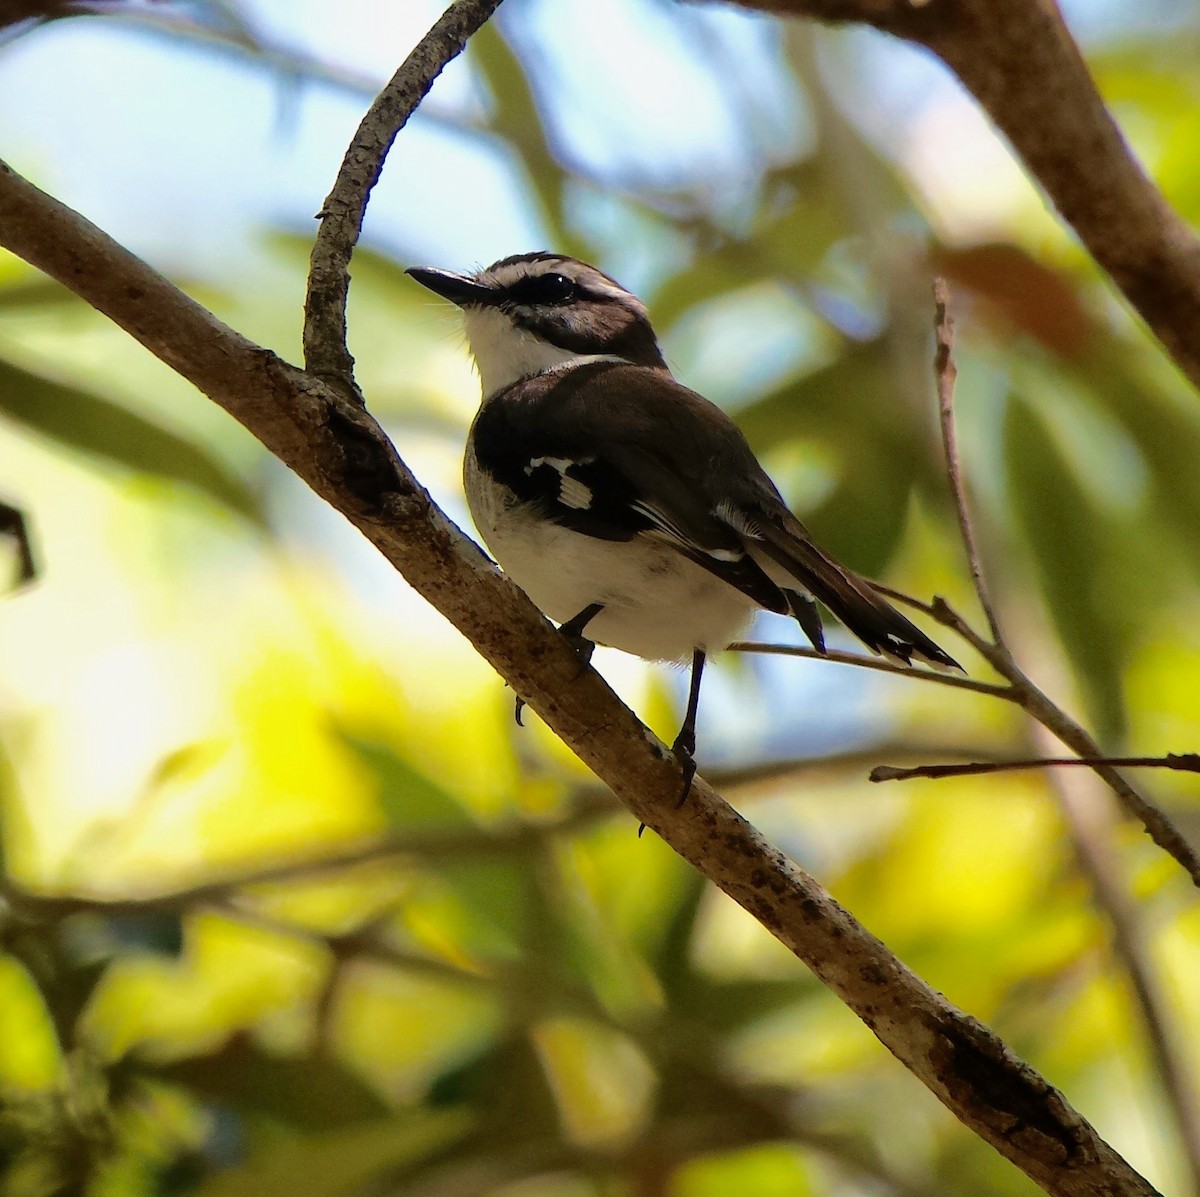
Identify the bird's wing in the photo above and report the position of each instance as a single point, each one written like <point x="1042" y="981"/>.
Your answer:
<point x="616" y="451"/>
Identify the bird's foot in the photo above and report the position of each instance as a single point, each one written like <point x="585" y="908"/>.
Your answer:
<point x="572" y="633"/>
<point x="583" y="649"/>
<point x="684" y="749"/>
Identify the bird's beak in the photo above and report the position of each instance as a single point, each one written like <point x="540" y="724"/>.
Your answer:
<point x="458" y="288"/>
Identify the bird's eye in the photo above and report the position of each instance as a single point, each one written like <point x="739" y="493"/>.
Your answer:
<point x="549" y="289"/>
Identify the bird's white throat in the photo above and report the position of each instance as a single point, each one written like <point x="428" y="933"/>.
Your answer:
<point x="505" y="354"/>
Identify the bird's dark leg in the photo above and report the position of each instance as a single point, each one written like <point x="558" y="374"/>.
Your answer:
<point x="572" y="633"/>
<point x="685" y="743"/>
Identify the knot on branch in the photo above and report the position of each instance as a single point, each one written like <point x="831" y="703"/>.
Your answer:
<point x="359" y="459"/>
<point x="979" y="1072"/>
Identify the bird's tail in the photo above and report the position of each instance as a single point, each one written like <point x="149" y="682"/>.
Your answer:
<point x="850" y="598"/>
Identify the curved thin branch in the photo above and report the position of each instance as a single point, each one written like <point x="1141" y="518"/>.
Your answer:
<point x="325" y="351"/>
<point x="946" y="373"/>
<point x="340" y="451"/>
<point x="1019" y="61"/>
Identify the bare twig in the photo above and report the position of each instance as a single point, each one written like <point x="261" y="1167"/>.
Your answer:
<point x="325" y="352"/>
<point x="1021" y="689"/>
<point x="1031" y="698"/>
<point x="342" y="453"/>
<point x="1186" y="762"/>
<point x="862" y="661"/>
<point x="744" y="780"/>
<point x="946" y="373"/>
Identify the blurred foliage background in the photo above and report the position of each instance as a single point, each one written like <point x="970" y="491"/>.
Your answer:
<point x="290" y="903"/>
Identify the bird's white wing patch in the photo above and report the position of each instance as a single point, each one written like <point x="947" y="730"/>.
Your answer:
<point x="571" y="491"/>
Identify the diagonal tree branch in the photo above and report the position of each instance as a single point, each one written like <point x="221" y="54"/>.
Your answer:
<point x="1018" y="59"/>
<point x="339" y="451"/>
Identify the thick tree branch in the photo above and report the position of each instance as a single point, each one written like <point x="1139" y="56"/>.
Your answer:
<point x="339" y="450"/>
<point x="325" y="351"/>
<point x="1019" y="61"/>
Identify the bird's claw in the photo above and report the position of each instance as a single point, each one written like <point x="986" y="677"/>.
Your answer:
<point x="683" y="748"/>
<point x="583" y="650"/>
<point x="572" y="633"/>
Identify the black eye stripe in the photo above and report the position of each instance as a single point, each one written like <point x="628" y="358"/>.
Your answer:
<point x="542" y="289"/>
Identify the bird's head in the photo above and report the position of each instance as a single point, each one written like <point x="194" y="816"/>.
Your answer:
<point x="533" y="312"/>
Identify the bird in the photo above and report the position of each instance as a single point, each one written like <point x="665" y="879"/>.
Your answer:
<point x="629" y="508"/>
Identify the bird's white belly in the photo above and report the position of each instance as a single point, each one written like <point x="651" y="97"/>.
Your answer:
<point x="657" y="604"/>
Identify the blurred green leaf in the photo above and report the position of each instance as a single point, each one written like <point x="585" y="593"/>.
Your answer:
<point x="796" y="224"/>
<point x="407" y="797"/>
<point x="1165" y="431"/>
<point x="862" y="520"/>
<point x="311" y="1094"/>
<point x="508" y="1089"/>
<point x="1072" y="544"/>
<point x="341" y="1164"/>
<point x="771" y="1171"/>
<point x="500" y="896"/>
<point x="81" y="420"/>
<point x="35" y="292"/>
<point x="823" y="403"/>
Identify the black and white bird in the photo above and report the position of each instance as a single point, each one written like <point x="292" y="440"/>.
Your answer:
<point x="626" y="506"/>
